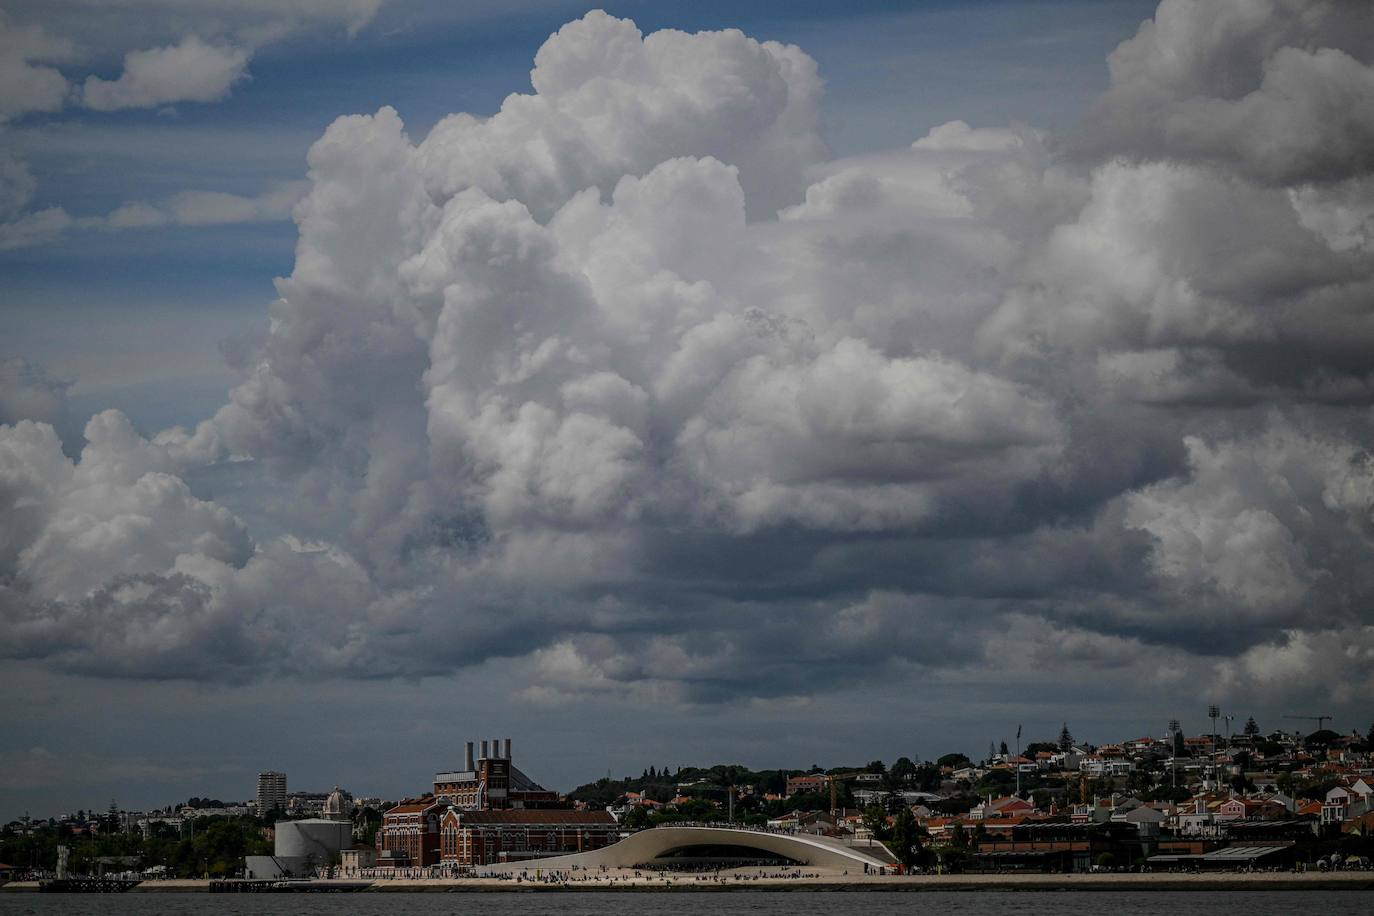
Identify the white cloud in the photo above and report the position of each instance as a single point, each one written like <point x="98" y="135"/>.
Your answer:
<point x="191" y="71"/>
<point x="1335" y="664"/>
<point x="36" y="227"/>
<point x="1342" y="214"/>
<point x="958" y="136"/>
<point x="557" y="386"/>
<point x="117" y="512"/>
<point x="29" y="392"/>
<point x="1280" y="90"/>
<point x="203" y="208"/>
<point x="797" y="439"/>
<point x="1266" y="521"/>
<point x="185" y="208"/>
<point x="609" y="102"/>
<point x="1167" y="255"/>
<point x="27" y="84"/>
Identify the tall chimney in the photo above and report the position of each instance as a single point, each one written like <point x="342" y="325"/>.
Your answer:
<point x="508" y="757"/>
<point x="496" y="747"/>
<point x="484" y="750"/>
<point x="467" y="758"/>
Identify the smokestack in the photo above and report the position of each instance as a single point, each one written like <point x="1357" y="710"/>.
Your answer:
<point x="508" y="757"/>
<point x="467" y="758"/>
<point x="484" y="751"/>
<point x="496" y="747"/>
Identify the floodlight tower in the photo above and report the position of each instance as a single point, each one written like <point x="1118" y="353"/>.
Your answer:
<point x="1214" y="713"/>
<point x="1174" y="729"/>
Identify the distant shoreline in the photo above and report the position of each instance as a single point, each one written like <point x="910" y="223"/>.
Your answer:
<point x="1262" y="881"/>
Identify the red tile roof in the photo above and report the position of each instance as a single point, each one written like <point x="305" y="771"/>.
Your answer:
<point x="410" y="807"/>
<point x="536" y="816"/>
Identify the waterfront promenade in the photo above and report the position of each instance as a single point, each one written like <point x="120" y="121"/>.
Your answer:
<point x="748" y="879"/>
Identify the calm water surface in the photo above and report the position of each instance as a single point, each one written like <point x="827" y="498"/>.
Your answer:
<point x="762" y="903"/>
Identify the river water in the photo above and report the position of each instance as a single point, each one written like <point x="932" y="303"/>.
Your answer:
<point x="733" y="903"/>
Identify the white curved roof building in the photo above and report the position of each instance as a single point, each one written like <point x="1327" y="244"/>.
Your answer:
<point x="670" y="844"/>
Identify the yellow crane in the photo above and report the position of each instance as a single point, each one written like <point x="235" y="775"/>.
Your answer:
<point x="1320" y="720"/>
<point x="835" y="779"/>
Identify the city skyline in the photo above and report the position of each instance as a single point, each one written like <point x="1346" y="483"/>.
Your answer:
<point x="673" y="381"/>
<point x="1203" y="758"/>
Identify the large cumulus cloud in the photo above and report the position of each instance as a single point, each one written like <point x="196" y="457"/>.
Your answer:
<point x="1278" y="90"/>
<point x="631" y="384"/>
<point x="610" y="102"/>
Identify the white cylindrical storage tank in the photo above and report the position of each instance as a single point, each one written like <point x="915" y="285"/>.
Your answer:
<point x="316" y="838"/>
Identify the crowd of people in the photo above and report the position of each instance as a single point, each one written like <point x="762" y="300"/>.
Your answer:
<point x="657" y="875"/>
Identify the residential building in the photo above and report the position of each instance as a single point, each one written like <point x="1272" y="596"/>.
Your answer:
<point x="808" y="783"/>
<point x="1257" y="809"/>
<point x="271" y="791"/>
<point x="1007" y="806"/>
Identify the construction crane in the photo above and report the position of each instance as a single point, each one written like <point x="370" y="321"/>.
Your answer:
<point x="1320" y="720"/>
<point x="835" y="779"/>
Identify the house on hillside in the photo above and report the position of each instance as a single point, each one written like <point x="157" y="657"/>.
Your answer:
<point x="1007" y="806"/>
<point x="1351" y="799"/>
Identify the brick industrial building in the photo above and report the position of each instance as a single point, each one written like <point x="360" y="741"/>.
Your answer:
<point x="491" y="782"/>
<point x="469" y="838"/>
<point x="487" y="812"/>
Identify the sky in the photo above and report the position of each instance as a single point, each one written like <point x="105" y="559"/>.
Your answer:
<point x="670" y="384"/>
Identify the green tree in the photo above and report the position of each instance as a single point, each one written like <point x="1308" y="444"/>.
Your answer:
<point x="954" y="760"/>
<point x="997" y="780"/>
<point x="110" y="822"/>
<point x="903" y="770"/>
<point x="875" y="821"/>
<point x="366" y="822"/>
<point x="637" y="818"/>
<point x="927" y="777"/>
<point x="1251" y="728"/>
<point x="1065" y="738"/>
<point x="904" y="838"/>
<point x="955" y="860"/>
